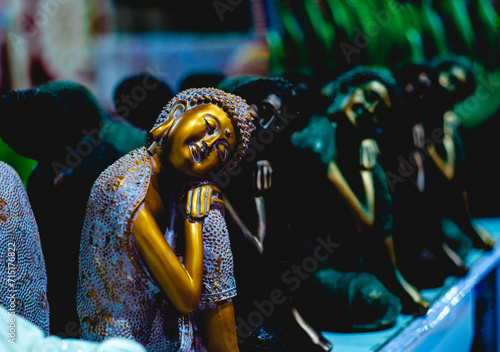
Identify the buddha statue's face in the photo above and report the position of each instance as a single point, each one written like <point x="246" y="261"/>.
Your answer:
<point x="362" y="106"/>
<point x="265" y="110"/>
<point x="452" y="78"/>
<point x="200" y="140"/>
<point x="415" y="90"/>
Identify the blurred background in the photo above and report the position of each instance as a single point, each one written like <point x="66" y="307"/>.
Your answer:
<point x="99" y="42"/>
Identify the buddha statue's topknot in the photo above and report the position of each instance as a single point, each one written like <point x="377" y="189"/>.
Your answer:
<point x="236" y="108"/>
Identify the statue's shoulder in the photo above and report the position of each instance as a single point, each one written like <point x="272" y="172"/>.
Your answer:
<point x="121" y="186"/>
<point x="318" y="138"/>
<point x="7" y="172"/>
<point x="13" y="196"/>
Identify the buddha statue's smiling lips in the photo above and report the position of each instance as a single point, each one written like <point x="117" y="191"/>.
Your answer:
<point x="224" y="153"/>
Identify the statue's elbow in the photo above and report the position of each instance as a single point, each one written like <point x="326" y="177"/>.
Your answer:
<point x="189" y="303"/>
<point x="185" y="309"/>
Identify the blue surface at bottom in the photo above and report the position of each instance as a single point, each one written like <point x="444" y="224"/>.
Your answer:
<point x="450" y="323"/>
<point x="365" y="341"/>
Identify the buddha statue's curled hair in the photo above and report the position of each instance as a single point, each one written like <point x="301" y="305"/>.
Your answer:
<point x="236" y="108"/>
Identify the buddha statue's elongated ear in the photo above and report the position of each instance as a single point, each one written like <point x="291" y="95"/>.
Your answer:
<point x="165" y="121"/>
<point x="159" y="132"/>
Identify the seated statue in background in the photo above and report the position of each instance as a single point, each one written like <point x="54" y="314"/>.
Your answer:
<point x="137" y="100"/>
<point x="349" y="202"/>
<point x="254" y="196"/>
<point x="447" y="175"/>
<point x="426" y="258"/>
<point x="155" y="258"/>
<point x="23" y="279"/>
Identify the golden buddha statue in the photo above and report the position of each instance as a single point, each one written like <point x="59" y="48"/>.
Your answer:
<point x="155" y="258"/>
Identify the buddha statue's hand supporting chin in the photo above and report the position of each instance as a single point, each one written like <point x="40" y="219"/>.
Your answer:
<point x="200" y="199"/>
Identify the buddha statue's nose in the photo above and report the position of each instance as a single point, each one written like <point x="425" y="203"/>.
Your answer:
<point x="204" y="147"/>
<point x="371" y="107"/>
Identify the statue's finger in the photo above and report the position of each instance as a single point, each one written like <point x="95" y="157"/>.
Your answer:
<point x="189" y="202"/>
